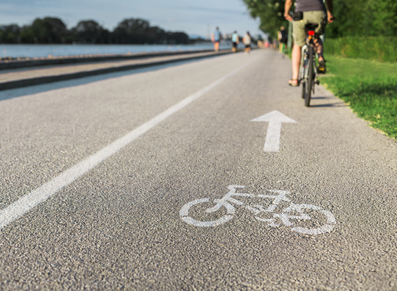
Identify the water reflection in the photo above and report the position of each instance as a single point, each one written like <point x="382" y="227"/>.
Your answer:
<point x="43" y="50"/>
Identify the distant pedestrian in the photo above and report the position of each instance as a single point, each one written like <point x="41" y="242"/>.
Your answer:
<point x="235" y="41"/>
<point x="247" y="42"/>
<point x="216" y="39"/>
<point x="282" y="38"/>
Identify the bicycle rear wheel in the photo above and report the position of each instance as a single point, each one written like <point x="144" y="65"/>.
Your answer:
<point x="184" y="213"/>
<point x="302" y="73"/>
<point x="309" y="80"/>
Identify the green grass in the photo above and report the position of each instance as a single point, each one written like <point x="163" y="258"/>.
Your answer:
<point x="368" y="87"/>
<point x="380" y="48"/>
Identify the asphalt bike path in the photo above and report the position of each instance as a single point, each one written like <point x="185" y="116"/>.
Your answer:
<point x="127" y="222"/>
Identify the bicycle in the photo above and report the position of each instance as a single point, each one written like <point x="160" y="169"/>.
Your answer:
<point x="308" y="69"/>
<point x="227" y="201"/>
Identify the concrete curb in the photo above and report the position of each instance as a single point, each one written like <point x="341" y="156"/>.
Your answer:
<point x="17" y="64"/>
<point x="64" y="77"/>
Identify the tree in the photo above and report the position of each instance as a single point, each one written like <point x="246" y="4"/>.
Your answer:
<point x="10" y="33"/>
<point x="270" y="13"/>
<point x="53" y="30"/>
<point x="179" y="37"/>
<point x="157" y="35"/>
<point x="384" y="16"/>
<point x="46" y="30"/>
<point x="132" y="31"/>
<point x="353" y="18"/>
<point x="349" y="19"/>
<point x="89" y="31"/>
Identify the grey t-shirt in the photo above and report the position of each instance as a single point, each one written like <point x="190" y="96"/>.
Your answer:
<point x="309" y="5"/>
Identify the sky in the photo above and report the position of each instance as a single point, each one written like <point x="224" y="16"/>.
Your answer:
<point x="192" y="17"/>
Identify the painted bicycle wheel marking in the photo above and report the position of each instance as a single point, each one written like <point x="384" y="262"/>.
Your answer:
<point x="185" y="210"/>
<point x="283" y="217"/>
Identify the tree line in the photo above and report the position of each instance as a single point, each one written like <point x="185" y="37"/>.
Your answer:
<point x="353" y="18"/>
<point x="51" y="30"/>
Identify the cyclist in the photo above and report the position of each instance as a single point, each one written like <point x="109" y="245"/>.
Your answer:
<point x="314" y="12"/>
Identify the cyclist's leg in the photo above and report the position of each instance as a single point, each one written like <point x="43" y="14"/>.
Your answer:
<point x="299" y="41"/>
<point x="320" y="18"/>
<point x="216" y="46"/>
<point x="296" y="59"/>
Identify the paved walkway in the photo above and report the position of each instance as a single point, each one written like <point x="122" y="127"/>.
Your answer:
<point x="105" y="184"/>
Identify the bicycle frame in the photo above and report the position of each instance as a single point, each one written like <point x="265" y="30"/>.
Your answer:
<point x="310" y="40"/>
<point x="308" y="70"/>
<point x="304" y="62"/>
<point x="228" y="198"/>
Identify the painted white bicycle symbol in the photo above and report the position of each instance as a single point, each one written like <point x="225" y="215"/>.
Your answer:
<point x="284" y="215"/>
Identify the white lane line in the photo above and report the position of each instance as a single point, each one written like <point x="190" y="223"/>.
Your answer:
<point x="41" y="194"/>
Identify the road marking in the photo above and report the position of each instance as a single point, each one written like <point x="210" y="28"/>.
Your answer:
<point x="275" y="119"/>
<point x="41" y="194"/>
<point x="294" y="213"/>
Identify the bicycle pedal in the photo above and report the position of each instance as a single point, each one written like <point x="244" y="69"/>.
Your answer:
<point x="317" y="82"/>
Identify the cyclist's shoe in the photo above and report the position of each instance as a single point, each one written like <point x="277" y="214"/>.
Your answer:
<point x="322" y="69"/>
<point x="294" y="82"/>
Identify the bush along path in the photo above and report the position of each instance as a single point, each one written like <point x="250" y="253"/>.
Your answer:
<point x="368" y="87"/>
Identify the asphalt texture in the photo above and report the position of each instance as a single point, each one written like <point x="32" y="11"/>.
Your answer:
<point x="119" y="226"/>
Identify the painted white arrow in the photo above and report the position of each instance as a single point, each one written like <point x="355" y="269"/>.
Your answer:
<point x="275" y="119"/>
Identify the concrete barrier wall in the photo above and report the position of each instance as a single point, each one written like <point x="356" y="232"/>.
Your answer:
<point x="17" y="64"/>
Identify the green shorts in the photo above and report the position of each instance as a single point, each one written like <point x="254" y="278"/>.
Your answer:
<point x="319" y="17"/>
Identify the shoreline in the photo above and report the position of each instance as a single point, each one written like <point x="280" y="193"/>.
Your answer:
<point x="17" y="63"/>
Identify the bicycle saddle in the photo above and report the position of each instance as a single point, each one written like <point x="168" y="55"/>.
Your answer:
<point x="311" y="26"/>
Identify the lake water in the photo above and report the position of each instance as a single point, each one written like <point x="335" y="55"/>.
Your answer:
<point x="43" y="50"/>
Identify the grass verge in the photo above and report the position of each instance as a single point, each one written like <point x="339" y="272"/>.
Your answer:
<point x="368" y="87"/>
<point x="379" y="48"/>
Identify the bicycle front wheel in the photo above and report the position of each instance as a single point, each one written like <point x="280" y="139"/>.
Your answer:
<point x="328" y="219"/>
<point x="309" y="80"/>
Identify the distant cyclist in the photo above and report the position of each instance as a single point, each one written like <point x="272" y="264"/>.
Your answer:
<point x="235" y="41"/>
<point x="216" y="38"/>
<point x="310" y="11"/>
